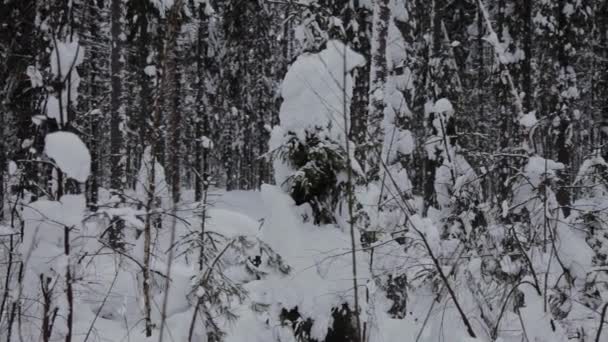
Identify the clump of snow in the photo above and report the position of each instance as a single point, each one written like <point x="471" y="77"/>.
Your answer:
<point x="537" y="170"/>
<point x="163" y="5"/>
<point x="38" y="119"/>
<point x="402" y="141"/>
<point x="207" y="143"/>
<point x="442" y="110"/>
<point x="568" y="10"/>
<point x="588" y="166"/>
<point x="65" y="57"/>
<point x="574" y="251"/>
<point x="144" y="177"/>
<point x="35" y="76"/>
<point x="528" y="120"/>
<point x="69" y="153"/>
<point x="444" y="105"/>
<point x="314" y="91"/>
<point x="150" y="70"/>
<point x="12" y="168"/>
<point x="538" y="167"/>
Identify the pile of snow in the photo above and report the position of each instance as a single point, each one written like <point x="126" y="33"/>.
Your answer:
<point x="320" y="260"/>
<point x="44" y="229"/>
<point x="315" y="90"/>
<point x="43" y="252"/>
<point x="69" y="153"/>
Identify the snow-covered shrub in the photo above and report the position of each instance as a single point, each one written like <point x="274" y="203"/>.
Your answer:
<point x="590" y="217"/>
<point x="310" y="144"/>
<point x="318" y="165"/>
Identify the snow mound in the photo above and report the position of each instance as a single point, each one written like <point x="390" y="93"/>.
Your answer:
<point x="321" y="263"/>
<point x="231" y="224"/>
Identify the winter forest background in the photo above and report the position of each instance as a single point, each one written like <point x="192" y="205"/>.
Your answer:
<point x="304" y="170"/>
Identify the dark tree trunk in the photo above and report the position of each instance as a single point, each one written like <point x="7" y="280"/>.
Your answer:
<point x="116" y="112"/>
<point x="173" y="75"/>
<point x="116" y="66"/>
<point x="201" y="120"/>
<point x="562" y="140"/>
<point x="526" y="68"/>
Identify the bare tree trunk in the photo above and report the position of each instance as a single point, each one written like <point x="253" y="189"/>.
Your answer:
<point x="47" y="293"/>
<point x="95" y="167"/>
<point x="7" y="279"/>
<point x="3" y="163"/>
<point x="601" y="86"/>
<point x="116" y="96"/>
<point x="174" y="125"/>
<point x="564" y="131"/>
<point x="172" y="92"/>
<point x="116" y="112"/>
<point x="68" y="282"/>
<point x="144" y="80"/>
<point x="350" y="199"/>
<point x="202" y="120"/>
<point x="526" y="68"/>
<point x="147" y="242"/>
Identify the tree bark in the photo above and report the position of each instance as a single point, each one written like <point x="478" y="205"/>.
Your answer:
<point x="116" y="114"/>
<point x="378" y="75"/>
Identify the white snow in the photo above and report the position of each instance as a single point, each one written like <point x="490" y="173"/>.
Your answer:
<point x="528" y="120"/>
<point x="38" y="119"/>
<point x="150" y="70"/>
<point x="35" y="76"/>
<point x="163" y="5"/>
<point x="444" y="106"/>
<point x="538" y="166"/>
<point x="65" y="57"/>
<point x="207" y="143"/>
<point x="315" y="90"/>
<point x="321" y="276"/>
<point x="12" y="168"/>
<point x="4" y="230"/>
<point x="143" y="185"/>
<point x="69" y="153"/>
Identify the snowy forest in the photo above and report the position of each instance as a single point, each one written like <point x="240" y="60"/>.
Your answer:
<point x="304" y="170"/>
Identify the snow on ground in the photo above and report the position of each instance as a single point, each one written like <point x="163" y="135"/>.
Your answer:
<point x="244" y="202"/>
<point x="319" y="257"/>
<point x="320" y="277"/>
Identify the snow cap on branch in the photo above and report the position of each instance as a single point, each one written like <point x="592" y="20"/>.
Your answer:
<point x="69" y="153"/>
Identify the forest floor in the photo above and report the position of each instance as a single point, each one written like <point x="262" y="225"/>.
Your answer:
<point x="112" y="284"/>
